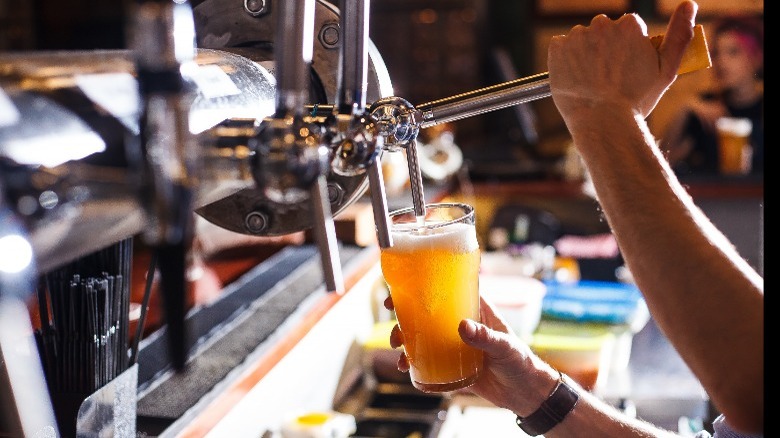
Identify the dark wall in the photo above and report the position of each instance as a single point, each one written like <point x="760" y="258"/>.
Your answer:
<point x="63" y="25"/>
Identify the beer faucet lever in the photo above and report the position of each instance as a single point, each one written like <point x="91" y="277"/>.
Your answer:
<point x="291" y="158"/>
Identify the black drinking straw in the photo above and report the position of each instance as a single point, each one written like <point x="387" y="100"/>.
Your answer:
<point x="139" y="330"/>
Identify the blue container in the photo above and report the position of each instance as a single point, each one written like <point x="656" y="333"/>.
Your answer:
<point x="595" y="301"/>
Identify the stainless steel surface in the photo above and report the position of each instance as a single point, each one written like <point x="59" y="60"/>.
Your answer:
<point x="111" y="410"/>
<point x="293" y="54"/>
<point x="77" y="110"/>
<point x="395" y="410"/>
<point x="398" y="121"/>
<point x="221" y="25"/>
<point x="353" y="69"/>
<point x="232" y="83"/>
<point x="355" y="143"/>
<point x="139" y="149"/>
<point x="162" y="35"/>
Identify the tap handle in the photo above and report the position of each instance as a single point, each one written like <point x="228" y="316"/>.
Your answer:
<point x="379" y="204"/>
<point x="353" y="68"/>
<point x="164" y="44"/>
<point x="172" y="264"/>
<point x="535" y="87"/>
<point x="415" y="179"/>
<point x="325" y="235"/>
<point x="484" y="100"/>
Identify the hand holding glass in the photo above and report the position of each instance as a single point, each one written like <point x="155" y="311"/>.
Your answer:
<point x="432" y="271"/>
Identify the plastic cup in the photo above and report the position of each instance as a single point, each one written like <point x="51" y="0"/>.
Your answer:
<point x="432" y="271"/>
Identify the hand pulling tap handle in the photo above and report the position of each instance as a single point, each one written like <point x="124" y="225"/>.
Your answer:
<point x="534" y="87"/>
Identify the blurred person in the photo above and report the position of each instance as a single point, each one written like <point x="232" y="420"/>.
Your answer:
<point x="605" y="80"/>
<point x="737" y="49"/>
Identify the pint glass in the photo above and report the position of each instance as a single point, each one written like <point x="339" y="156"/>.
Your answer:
<point x="734" y="149"/>
<point x="432" y="271"/>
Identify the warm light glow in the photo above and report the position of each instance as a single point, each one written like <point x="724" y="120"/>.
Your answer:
<point x="427" y="16"/>
<point x="15" y="253"/>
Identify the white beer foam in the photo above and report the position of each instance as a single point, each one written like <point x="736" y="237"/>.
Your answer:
<point x="456" y="237"/>
<point x="735" y="125"/>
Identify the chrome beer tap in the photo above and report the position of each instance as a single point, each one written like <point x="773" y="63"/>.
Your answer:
<point x="400" y="122"/>
<point x="357" y="142"/>
<point x="166" y="155"/>
<point x="291" y="159"/>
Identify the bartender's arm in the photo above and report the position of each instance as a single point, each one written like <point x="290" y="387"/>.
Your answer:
<point x="605" y="79"/>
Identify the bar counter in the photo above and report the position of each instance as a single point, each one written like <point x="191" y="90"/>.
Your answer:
<point x="275" y="343"/>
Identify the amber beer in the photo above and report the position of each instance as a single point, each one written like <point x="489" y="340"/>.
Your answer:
<point x="734" y="149"/>
<point x="432" y="270"/>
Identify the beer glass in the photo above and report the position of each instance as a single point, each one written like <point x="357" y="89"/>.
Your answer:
<point x="432" y="271"/>
<point x="734" y="149"/>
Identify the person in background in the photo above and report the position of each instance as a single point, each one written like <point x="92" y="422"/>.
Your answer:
<point x="605" y="80"/>
<point x="737" y="49"/>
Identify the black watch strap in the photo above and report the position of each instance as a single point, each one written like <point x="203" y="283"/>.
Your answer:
<point x="552" y="411"/>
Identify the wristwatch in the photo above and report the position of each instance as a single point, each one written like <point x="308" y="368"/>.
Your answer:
<point x="552" y="411"/>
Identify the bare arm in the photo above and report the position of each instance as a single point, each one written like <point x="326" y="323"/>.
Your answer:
<point x="703" y="295"/>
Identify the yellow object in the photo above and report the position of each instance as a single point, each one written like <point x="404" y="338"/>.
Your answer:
<point x="320" y="424"/>
<point x="566" y="269"/>
<point x="696" y="57"/>
<point x="313" y="419"/>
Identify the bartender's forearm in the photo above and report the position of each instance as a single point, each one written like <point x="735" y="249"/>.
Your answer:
<point x="590" y="416"/>
<point x="696" y="285"/>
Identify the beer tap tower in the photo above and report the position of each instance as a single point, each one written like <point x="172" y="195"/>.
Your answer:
<point x="260" y="126"/>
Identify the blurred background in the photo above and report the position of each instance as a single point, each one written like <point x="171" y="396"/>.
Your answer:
<point x="433" y="49"/>
<point x="518" y="169"/>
